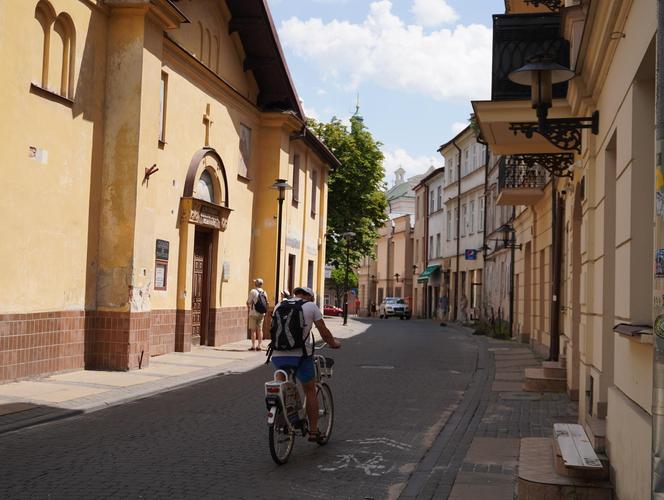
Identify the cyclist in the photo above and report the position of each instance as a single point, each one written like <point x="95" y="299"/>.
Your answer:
<point x="303" y="366"/>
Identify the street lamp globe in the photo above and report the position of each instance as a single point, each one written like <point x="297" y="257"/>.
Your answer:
<point x="282" y="186"/>
<point x="541" y="74"/>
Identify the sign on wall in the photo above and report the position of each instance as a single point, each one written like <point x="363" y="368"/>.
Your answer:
<point x="161" y="265"/>
<point x="471" y="254"/>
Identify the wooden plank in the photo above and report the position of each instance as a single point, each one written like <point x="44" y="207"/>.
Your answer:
<point x="583" y="446"/>
<point x="568" y="450"/>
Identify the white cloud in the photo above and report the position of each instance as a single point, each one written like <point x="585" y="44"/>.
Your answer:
<point x="433" y="12"/>
<point x="458" y="127"/>
<point x="413" y="165"/>
<point x="444" y="64"/>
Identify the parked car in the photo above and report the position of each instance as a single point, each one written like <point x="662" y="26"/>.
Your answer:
<point x="330" y="310"/>
<point x="394" y="306"/>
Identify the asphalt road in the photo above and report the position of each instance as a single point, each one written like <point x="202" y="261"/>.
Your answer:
<point x="394" y="387"/>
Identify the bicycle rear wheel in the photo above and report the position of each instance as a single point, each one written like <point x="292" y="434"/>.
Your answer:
<point x="281" y="439"/>
<point x="325" y="412"/>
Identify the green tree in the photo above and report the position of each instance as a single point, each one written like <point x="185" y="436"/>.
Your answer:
<point x="338" y="279"/>
<point x="356" y="201"/>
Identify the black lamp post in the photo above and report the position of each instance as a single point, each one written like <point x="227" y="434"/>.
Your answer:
<point x="280" y="185"/>
<point x="347" y="236"/>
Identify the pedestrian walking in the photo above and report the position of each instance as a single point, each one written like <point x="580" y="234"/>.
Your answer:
<point x="256" y="308"/>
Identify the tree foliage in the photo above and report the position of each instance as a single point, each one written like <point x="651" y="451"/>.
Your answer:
<point x="338" y="280"/>
<point x="356" y="201"/>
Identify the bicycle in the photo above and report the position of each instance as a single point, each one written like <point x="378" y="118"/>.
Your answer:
<point x="286" y="409"/>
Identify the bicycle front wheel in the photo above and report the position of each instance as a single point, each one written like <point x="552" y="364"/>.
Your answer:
<point x="281" y="439"/>
<point x="325" y="412"/>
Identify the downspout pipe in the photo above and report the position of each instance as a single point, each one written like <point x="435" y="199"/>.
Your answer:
<point x="485" y="247"/>
<point x="458" y="235"/>
<point x="658" y="351"/>
<point x="426" y="248"/>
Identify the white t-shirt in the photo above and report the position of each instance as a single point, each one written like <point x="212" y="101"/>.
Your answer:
<point x="253" y="298"/>
<point x="311" y="313"/>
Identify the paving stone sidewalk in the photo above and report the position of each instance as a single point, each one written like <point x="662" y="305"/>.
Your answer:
<point x="490" y="466"/>
<point x="38" y="400"/>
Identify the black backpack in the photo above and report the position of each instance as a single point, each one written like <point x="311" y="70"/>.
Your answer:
<point x="260" y="306"/>
<point x="287" y="328"/>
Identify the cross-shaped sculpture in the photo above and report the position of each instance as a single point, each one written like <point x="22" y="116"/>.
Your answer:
<point x="207" y="121"/>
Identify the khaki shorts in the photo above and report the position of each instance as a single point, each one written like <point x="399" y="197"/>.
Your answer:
<point x="255" y="322"/>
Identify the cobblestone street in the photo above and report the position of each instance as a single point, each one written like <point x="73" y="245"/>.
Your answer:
<point x="411" y="400"/>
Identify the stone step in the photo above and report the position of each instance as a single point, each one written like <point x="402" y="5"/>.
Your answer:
<point x="539" y="480"/>
<point x="537" y="381"/>
<point x="554" y="369"/>
<point x="580" y="473"/>
<point x="596" y="430"/>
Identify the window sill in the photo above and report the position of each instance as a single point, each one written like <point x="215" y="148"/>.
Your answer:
<point x="50" y="95"/>
<point x="641" y="334"/>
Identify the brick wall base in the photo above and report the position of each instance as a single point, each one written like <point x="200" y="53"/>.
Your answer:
<point x="228" y="324"/>
<point x="36" y="343"/>
<point x="162" y="331"/>
<point x="117" y="340"/>
<point x="41" y="343"/>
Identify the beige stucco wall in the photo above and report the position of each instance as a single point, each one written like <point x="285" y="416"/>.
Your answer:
<point x="628" y="429"/>
<point x="50" y="206"/>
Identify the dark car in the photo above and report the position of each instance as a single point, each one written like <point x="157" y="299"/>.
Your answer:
<point x="329" y="310"/>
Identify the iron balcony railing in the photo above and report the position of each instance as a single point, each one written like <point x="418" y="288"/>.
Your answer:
<point x="515" y="173"/>
<point x="517" y="38"/>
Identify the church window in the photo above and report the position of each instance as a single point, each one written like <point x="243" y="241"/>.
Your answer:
<point x="296" y="179"/>
<point x="163" y="96"/>
<point x="245" y="150"/>
<point x="215" y="54"/>
<point x="314" y="187"/>
<point x="205" y="187"/>
<point x="208" y="49"/>
<point x="58" y="50"/>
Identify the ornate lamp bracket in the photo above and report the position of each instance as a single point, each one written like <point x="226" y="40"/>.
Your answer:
<point x="558" y="164"/>
<point x="564" y="133"/>
<point x="553" y="5"/>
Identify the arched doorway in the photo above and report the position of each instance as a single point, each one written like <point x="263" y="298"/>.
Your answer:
<point x="204" y="215"/>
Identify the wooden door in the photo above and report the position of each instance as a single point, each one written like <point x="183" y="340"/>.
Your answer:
<point x="200" y="289"/>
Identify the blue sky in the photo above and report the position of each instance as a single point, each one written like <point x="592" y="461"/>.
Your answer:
<point x="415" y="64"/>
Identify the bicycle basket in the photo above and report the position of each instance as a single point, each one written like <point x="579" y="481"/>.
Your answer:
<point x="324" y="366"/>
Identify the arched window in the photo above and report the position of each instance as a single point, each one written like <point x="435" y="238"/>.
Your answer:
<point x="208" y="47"/>
<point x="64" y="27"/>
<point x="45" y="15"/>
<point x="58" y="50"/>
<point x="205" y="187"/>
<point x="215" y="54"/>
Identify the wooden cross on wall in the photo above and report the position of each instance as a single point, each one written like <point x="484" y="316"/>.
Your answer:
<point x="207" y="121"/>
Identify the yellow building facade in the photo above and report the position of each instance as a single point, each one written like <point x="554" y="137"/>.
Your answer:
<point x="140" y="142"/>
<point x="600" y="209"/>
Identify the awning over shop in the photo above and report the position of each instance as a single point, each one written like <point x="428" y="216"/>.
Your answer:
<point x="428" y="272"/>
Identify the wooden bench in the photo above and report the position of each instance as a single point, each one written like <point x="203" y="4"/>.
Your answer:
<point x="575" y="447"/>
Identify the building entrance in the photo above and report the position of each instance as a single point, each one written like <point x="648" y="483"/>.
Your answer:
<point x="200" y="299"/>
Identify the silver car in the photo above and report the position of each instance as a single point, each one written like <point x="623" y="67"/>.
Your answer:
<point x="394" y="306"/>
